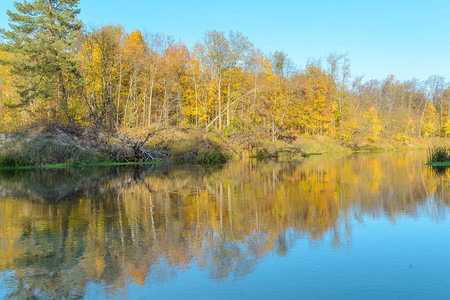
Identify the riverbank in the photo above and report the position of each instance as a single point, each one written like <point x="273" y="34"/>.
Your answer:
<point x="440" y="164"/>
<point x="58" y="146"/>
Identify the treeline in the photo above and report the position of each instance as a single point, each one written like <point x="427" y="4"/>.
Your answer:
<point x="58" y="69"/>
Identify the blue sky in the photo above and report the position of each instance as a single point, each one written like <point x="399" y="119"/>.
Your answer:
<point x="407" y="38"/>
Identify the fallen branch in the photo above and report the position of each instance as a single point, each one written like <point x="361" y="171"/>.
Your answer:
<point x="135" y="151"/>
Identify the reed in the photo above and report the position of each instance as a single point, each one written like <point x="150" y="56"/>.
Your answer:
<point x="439" y="155"/>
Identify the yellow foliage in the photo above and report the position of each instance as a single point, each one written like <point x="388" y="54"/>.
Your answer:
<point x="373" y="124"/>
<point x="447" y="127"/>
<point x="136" y="81"/>
<point x="429" y="125"/>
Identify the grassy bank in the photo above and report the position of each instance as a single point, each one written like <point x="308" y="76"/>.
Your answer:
<point x="247" y="145"/>
<point x="50" y="146"/>
<point x="57" y="146"/>
<point x="182" y="143"/>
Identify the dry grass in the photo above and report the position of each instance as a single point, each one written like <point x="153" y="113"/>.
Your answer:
<point x="44" y="149"/>
<point x="61" y="144"/>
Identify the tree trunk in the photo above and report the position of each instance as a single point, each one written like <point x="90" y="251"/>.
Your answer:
<point x="196" y="103"/>
<point x="151" y="97"/>
<point x="220" y="102"/>
<point x="64" y="102"/>
<point x="228" y="105"/>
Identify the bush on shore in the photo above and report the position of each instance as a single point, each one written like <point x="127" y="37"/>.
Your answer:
<point x="211" y="158"/>
<point x="439" y="155"/>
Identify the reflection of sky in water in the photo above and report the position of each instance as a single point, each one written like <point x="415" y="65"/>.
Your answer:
<point x="409" y="260"/>
<point x="371" y="226"/>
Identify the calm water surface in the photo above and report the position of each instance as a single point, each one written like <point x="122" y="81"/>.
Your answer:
<point x="362" y="227"/>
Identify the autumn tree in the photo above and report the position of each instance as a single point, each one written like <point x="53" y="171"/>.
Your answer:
<point x="435" y="86"/>
<point x="157" y="46"/>
<point x="100" y="60"/>
<point x="281" y="68"/>
<point x="317" y="106"/>
<point x="429" y="124"/>
<point x="218" y="53"/>
<point x="195" y="110"/>
<point x="174" y="73"/>
<point x="7" y="93"/>
<point x="338" y="73"/>
<point x="239" y="48"/>
<point x="257" y="66"/>
<point x="135" y="52"/>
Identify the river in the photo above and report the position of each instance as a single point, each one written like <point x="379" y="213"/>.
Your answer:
<point x="372" y="226"/>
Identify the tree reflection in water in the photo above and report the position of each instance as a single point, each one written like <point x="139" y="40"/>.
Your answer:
<point x="61" y="230"/>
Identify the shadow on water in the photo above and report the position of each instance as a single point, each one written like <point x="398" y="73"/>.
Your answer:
<point x="65" y="230"/>
<point x="440" y="170"/>
<point x="69" y="184"/>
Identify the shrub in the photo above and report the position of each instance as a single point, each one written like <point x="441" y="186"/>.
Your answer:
<point x="211" y="157"/>
<point x="439" y="154"/>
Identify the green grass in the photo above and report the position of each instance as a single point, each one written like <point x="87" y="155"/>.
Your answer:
<point x="373" y="149"/>
<point x="439" y="164"/>
<point x="211" y="158"/>
<point x="262" y="156"/>
<point x="311" y="154"/>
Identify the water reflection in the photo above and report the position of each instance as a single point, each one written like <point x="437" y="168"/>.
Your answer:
<point x="61" y="230"/>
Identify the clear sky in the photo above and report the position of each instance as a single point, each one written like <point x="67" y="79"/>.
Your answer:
<point x="407" y="38"/>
